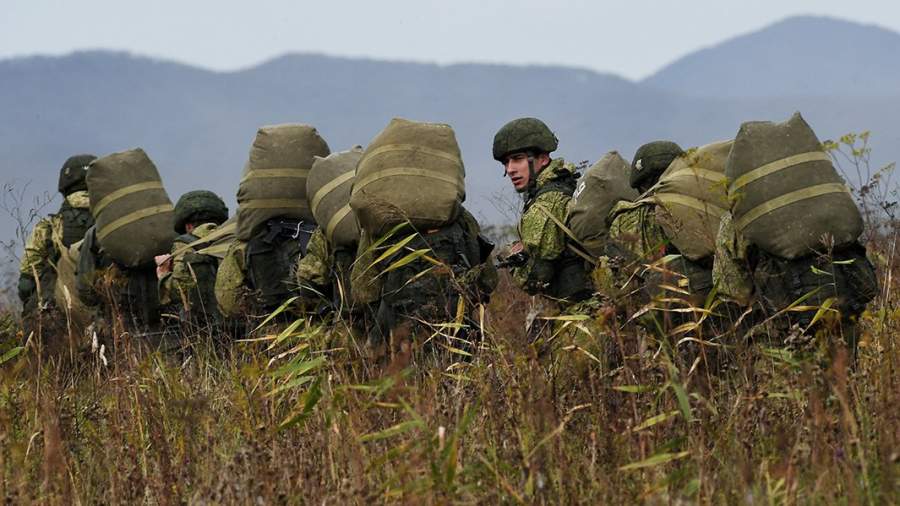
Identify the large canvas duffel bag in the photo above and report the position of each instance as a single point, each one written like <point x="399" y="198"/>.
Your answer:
<point x="328" y="187"/>
<point x="785" y="192"/>
<point x="603" y="185"/>
<point x="412" y="172"/>
<point x="691" y="199"/>
<point x="274" y="180"/>
<point x="132" y="212"/>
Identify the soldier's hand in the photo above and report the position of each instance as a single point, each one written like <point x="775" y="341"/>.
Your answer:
<point x="163" y="265"/>
<point x="512" y="256"/>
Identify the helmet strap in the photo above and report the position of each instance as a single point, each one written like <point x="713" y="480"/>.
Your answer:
<point x="532" y="177"/>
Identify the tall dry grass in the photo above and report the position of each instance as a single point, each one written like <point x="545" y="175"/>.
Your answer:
<point x="597" y="410"/>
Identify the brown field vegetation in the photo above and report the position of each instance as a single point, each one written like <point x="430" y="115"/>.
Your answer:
<point x="305" y="416"/>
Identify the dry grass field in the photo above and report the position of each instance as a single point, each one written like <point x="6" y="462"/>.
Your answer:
<point x="596" y="411"/>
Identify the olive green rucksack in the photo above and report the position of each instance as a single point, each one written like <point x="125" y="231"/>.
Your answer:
<point x="785" y="191"/>
<point x="411" y="172"/>
<point x="328" y="188"/>
<point x="690" y="199"/>
<point x="274" y="182"/>
<point x="133" y="214"/>
<point x="603" y="185"/>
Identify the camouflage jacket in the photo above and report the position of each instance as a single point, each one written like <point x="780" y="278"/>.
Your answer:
<point x="731" y="274"/>
<point x="542" y="239"/>
<point x="315" y="268"/>
<point x="44" y="244"/>
<point x="635" y="238"/>
<point x="175" y="285"/>
<point x="231" y="288"/>
<point x="479" y="277"/>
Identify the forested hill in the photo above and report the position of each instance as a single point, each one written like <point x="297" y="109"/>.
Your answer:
<point x="198" y="124"/>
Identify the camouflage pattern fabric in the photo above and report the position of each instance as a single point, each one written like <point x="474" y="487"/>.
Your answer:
<point x="634" y="239"/>
<point x="731" y="273"/>
<point x="43" y="248"/>
<point x="314" y="269"/>
<point x="543" y="241"/>
<point x="175" y="285"/>
<point x="231" y="290"/>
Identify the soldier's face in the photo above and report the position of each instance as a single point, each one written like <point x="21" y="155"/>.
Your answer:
<point x="517" y="169"/>
<point x="516" y="166"/>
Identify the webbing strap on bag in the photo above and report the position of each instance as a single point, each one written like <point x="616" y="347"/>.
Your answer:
<point x="335" y="221"/>
<point x="127" y="190"/>
<point x="581" y="250"/>
<point x="412" y="148"/>
<point x="216" y="250"/>
<point x="212" y="236"/>
<point x="696" y="173"/>
<point x="131" y="218"/>
<point x="328" y="188"/>
<point x="777" y="165"/>
<point x="786" y="200"/>
<point x="685" y="200"/>
<point x="406" y="171"/>
<point x="273" y="204"/>
<point x="273" y="173"/>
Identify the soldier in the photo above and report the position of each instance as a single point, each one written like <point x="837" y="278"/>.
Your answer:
<point x="258" y="275"/>
<point x="187" y="278"/>
<point x="414" y="298"/>
<point x="129" y="293"/>
<point x="323" y="273"/>
<point x="37" y="272"/>
<point x="752" y="277"/>
<point x="541" y="262"/>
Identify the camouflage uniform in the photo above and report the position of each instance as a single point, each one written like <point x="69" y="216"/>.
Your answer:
<point x="188" y="288"/>
<point x="731" y="274"/>
<point x="406" y="296"/>
<point x="544" y="242"/>
<point x="771" y="284"/>
<point x="127" y="292"/>
<point x="175" y="286"/>
<point x="231" y="283"/>
<point x="235" y="289"/>
<point x="51" y="235"/>
<point x="323" y="274"/>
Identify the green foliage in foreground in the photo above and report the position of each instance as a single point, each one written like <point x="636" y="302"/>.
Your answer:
<point x="304" y="416"/>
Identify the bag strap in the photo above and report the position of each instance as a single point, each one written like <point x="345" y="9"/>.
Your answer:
<point x="131" y="218"/>
<point x="581" y="250"/>
<point x="406" y="171"/>
<point x="777" y="165"/>
<point x="275" y="173"/>
<point x="335" y="221"/>
<point x="121" y="192"/>
<point x="785" y="200"/>
<point x="328" y="188"/>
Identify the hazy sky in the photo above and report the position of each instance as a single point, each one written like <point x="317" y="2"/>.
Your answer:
<point x="630" y="37"/>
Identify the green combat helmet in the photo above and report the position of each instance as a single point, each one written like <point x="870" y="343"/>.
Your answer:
<point x="523" y="134"/>
<point x="73" y="174"/>
<point x="650" y="161"/>
<point x="199" y="206"/>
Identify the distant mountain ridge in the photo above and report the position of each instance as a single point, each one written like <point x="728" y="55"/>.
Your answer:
<point x="197" y="125"/>
<point x="800" y="56"/>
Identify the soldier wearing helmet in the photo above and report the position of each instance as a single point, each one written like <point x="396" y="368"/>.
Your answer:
<point x="635" y="236"/>
<point x="54" y="233"/>
<point x="187" y="277"/>
<point x="540" y="261"/>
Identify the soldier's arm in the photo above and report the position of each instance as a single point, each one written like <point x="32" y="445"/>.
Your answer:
<point x="365" y="285"/>
<point x="543" y="241"/>
<point x="230" y="281"/>
<point x="177" y="279"/>
<point x="38" y="248"/>
<point x="731" y="273"/>
<point x="314" y="268"/>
